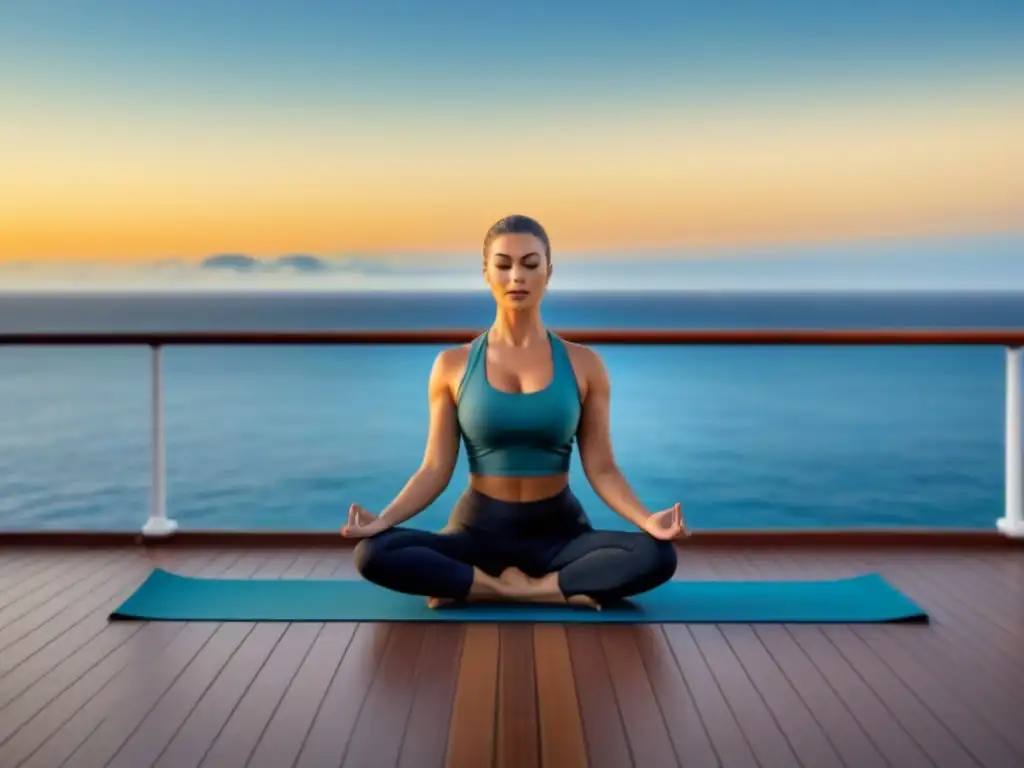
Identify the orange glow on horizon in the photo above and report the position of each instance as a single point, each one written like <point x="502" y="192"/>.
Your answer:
<point x="123" y="197"/>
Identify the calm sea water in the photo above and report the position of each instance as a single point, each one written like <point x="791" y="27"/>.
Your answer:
<point x="287" y="437"/>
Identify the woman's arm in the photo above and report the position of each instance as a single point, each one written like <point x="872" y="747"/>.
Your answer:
<point x="442" y="449"/>
<point x="595" y="444"/>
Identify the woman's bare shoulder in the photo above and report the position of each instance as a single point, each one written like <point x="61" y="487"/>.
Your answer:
<point x="449" y="366"/>
<point x="454" y="356"/>
<point x="587" y="366"/>
<point x="584" y="359"/>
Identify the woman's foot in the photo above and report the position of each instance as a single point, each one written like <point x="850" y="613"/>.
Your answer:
<point x="522" y="588"/>
<point x="487" y="588"/>
<point x="514" y="580"/>
<point x="513" y="585"/>
<point x="584" y="601"/>
<point x="439" y="602"/>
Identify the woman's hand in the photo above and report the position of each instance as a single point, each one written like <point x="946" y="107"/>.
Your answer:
<point x="667" y="524"/>
<point x="362" y="523"/>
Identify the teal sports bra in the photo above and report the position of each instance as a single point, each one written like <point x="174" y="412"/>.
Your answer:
<point x="518" y="434"/>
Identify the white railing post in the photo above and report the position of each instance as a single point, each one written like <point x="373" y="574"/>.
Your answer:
<point x="1012" y="523"/>
<point x="158" y="523"/>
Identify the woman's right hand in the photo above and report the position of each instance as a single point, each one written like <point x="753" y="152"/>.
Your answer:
<point x="362" y="523"/>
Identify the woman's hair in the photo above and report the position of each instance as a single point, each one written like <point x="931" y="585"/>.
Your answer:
<point x="517" y="224"/>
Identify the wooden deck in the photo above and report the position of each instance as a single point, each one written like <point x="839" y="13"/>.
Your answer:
<point x="76" y="690"/>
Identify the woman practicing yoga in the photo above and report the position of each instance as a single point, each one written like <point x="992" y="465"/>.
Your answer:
<point x="517" y="396"/>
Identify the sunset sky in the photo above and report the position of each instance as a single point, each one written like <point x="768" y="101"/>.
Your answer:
<point x="139" y="132"/>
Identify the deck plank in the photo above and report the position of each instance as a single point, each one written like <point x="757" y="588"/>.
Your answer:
<point x="193" y="738"/>
<point x="603" y="727"/>
<point x="953" y="634"/>
<point x="933" y="735"/>
<point x="35" y="609"/>
<point x="47" y="570"/>
<point x="241" y="733"/>
<point x="31" y="572"/>
<point x="304" y="564"/>
<point x="693" y="744"/>
<point x="151" y="733"/>
<point x="327" y="565"/>
<point x="43" y="705"/>
<point x="832" y="714"/>
<point x="138" y="684"/>
<point x="282" y="740"/>
<point x="960" y="620"/>
<point x="41" y="649"/>
<point x="901" y="737"/>
<point x="518" y="737"/>
<point x="562" y="744"/>
<point x="163" y="708"/>
<point x="971" y="700"/>
<point x="78" y="690"/>
<point x="770" y="743"/>
<point x="335" y="720"/>
<point x="378" y="732"/>
<point x="798" y="723"/>
<point x="67" y="633"/>
<point x="646" y="729"/>
<point x="471" y="735"/>
<point x="831" y="717"/>
<point x="425" y="742"/>
<point x="96" y="730"/>
<point x="22" y="561"/>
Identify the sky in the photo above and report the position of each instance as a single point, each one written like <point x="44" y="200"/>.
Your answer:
<point x="142" y="142"/>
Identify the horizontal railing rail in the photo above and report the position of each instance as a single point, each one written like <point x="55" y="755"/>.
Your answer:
<point x="158" y="524"/>
<point x="787" y="337"/>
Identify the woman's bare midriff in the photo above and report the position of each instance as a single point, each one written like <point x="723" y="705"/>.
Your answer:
<point x="519" y="488"/>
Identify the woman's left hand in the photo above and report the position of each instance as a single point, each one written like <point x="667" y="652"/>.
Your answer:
<point x="362" y="524"/>
<point x="667" y="524"/>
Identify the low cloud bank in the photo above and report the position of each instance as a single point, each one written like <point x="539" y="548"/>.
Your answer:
<point x="988" y="263"/>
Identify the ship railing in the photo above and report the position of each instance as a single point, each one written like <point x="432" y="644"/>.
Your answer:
<point x="160" y="525"/>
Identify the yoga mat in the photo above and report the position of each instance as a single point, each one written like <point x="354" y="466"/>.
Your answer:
<point x="167" y="596"/>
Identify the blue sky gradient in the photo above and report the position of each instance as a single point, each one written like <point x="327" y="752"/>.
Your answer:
<point x="461" y="53"/>
<point x="143" y="133"/>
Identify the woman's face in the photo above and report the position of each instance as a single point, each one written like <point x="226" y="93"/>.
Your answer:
<point x="517" y="271"/>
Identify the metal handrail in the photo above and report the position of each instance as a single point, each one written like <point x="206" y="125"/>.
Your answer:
<point x="158" y="524"/>
<point x="1009" y="337"/>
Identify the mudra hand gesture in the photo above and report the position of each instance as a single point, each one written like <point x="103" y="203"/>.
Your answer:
<point x="667" y="524"/>
<point x="362" y="523"/>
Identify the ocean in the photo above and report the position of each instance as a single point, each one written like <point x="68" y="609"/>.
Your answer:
<point x="287" y="437"/>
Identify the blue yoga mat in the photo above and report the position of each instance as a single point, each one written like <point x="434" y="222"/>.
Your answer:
<point x="168" y="596"/>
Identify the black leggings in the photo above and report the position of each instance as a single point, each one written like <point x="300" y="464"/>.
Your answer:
<point x="537" y="537"/>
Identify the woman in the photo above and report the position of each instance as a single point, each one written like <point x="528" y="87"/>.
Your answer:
<point x="518" y="396"/>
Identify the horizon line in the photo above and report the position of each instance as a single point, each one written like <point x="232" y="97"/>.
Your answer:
<point x="482" y="292"/>
<point x="681" y="251"/>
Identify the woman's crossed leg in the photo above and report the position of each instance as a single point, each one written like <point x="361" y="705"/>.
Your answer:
<point x="589" y="568"/>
